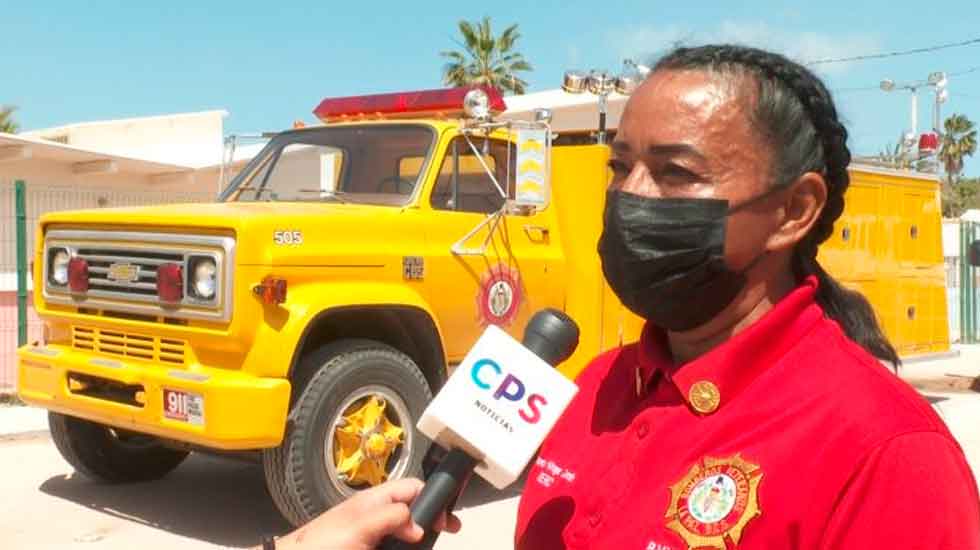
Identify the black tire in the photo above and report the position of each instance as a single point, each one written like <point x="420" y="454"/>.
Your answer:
<point x="109" y="455"/>
<point x="296" y="472"/>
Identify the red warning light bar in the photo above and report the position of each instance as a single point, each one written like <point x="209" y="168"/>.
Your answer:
<point x="418" y="104"/>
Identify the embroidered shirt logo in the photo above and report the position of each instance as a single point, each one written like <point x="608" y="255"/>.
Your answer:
<point x="712" y="498"/>
<point x="711" y="505"/>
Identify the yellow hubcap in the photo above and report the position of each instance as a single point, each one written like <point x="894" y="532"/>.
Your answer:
<point x="365" y="441"/>
<point x="376" y="445"/>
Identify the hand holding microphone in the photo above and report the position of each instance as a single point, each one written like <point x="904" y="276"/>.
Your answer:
<point x="360" y="522"/>
<point x="494" y="412"/>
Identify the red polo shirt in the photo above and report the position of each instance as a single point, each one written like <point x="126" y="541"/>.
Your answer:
<point x="787" y="436"/>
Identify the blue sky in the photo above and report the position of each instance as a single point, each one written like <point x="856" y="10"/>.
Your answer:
<point x="270" y="64"/>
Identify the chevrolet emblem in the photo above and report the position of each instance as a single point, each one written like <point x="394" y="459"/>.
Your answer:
<point x="123" y="273"/>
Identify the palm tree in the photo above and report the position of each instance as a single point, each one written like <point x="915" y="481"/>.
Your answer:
<point x="486" y="59"/>
<point x="959" y="141"/>
<point x="7" y="123"/>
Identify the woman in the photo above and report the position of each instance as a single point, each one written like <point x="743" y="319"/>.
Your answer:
<point x="754" y="411"/>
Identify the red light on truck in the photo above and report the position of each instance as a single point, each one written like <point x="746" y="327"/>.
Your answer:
<point x="170" y="283"/>
<point x="78" y="275"/>
<point x="272" y="291"/>
<point x="439" y="102"/>
<point x="928" y="143"/>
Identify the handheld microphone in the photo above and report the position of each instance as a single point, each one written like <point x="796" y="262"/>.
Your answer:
<point x="495" y="411"/>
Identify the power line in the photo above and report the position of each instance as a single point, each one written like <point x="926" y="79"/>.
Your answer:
<point x="894" y="54"/>
<point x="858" y="89"/>
<point x="967" y="71"/>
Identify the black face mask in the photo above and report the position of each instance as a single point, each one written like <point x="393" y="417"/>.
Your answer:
<point x="665" y="258"/>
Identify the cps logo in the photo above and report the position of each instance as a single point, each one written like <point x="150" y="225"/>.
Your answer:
<point x="485" y="374"/>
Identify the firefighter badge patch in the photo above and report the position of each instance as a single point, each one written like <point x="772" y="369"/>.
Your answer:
<point x="711" y="505"/>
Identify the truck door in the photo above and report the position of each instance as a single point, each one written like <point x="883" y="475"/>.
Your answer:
<point x="508" y="272"/>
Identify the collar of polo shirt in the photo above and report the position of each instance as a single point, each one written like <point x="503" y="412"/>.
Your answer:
<point x="717" y="377"/>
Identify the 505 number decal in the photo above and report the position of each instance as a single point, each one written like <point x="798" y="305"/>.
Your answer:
<point x="287" y="237"/>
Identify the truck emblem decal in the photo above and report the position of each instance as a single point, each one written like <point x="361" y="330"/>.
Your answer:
<point x="413" y="268"/>
<point x="500" y="296"/>
<point x="123" y="273"/>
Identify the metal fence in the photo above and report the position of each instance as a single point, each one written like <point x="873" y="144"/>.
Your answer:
<point x="968" y="287"/>
<point x="39" y="200"/>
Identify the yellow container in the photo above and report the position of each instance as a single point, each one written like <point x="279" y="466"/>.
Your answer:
<point x="888" y="245"/>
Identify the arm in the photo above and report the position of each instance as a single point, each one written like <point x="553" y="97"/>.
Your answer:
<point x="360" y="522"/>
<point x="914" y="491"/>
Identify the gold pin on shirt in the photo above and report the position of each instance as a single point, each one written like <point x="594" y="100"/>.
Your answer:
<point x="704" y="397"/>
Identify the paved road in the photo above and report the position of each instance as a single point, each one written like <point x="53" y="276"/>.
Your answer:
<point x="207" y="502"/>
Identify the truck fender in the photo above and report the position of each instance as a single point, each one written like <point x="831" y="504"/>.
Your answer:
<point x="398" y="315"/>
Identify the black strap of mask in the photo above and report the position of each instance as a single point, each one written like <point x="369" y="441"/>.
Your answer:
<point x="772" y="190"/>
<point x="758" y="198"/>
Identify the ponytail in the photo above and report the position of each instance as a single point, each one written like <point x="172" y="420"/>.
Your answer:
<point x="849" y="308"/>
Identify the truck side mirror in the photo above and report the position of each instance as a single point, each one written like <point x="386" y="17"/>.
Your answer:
<point x="974" y="254"/>
<point x="532" y="181"/>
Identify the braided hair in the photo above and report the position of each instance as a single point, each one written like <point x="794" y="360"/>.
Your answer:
<point x="795" y="114"/>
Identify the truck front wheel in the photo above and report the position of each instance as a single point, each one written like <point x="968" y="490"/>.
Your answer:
<point x="109" y="454"/>
<point x="352" y="427"/>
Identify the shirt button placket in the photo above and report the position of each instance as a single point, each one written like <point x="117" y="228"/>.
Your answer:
<point x="642" y="430"/>
<point x="594" y="519"/>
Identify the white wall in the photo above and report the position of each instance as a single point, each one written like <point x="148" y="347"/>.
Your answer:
<point x="951" y="238"/>
<point x="191" y="139"/>
<point x="46" y="172"/>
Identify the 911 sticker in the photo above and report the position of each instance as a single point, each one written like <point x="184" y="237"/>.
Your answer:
<point x="183" y="406"/>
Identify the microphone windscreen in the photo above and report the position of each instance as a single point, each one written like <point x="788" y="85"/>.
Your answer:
<point x="551" y="335"/>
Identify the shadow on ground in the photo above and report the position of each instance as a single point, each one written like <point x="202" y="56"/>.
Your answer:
<point x="933" y="399"/>
<point x="211" y="499"/>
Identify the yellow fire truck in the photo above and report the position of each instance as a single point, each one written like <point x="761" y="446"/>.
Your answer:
<point x="310" y="314"/>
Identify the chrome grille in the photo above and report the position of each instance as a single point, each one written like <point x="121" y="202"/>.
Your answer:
<point x="135" y="346"/>
<point x="134" y="258"/>
<point x="102" y="260"/>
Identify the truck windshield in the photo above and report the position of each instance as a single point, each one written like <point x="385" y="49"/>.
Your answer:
<point x="370" y="164"/>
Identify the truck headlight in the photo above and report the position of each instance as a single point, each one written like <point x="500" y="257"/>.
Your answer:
<point x="58" y="259"/>
<point x="203" y="272"/>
